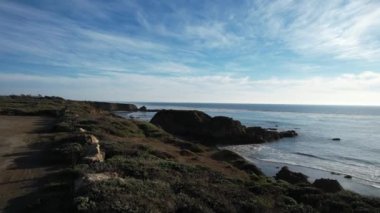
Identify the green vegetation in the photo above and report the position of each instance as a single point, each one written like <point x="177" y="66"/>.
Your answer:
<point x="136" y="176"/>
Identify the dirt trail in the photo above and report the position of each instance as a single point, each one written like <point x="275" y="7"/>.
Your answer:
<point x="21" y="166"/>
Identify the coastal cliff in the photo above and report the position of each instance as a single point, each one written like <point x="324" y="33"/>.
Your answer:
<point x="112" y="164"/>
<point x="113" y="106"/>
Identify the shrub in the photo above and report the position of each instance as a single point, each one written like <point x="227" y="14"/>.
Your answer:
<point x="71" y="152"/>
<point x="151" y="130"/>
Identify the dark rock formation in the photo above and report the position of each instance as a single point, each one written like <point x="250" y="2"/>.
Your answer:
<point x="334" y="173"/>
<point x="291" y="177"/>
<point x="213" y="130"/>
<point x="288" y="134"/>
<point x="328" y="185"/>
<point x="143" y="109"/>
<point x="348" y="176"/>
<point x="222" y="127"/>
<point x="336" y="139"/>
<point x="113" y="106"/>
<point x="180" y="122"/>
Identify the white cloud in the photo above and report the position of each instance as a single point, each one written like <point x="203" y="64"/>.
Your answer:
<point x="343" y="29"/>
<point x="358" y="89"/>
<point x="171" y="68"/>
<point x="213" y="35"/>
<point x="107" y="41"/>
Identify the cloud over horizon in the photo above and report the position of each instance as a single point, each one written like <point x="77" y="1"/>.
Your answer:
<point x="193" y="51"/>
<point x="341" y="90"/>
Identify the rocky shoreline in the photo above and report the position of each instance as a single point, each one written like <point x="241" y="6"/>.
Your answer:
<point x="113" y="164"/>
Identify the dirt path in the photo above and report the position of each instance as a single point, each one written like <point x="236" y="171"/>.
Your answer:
<point x="21" y="166"/>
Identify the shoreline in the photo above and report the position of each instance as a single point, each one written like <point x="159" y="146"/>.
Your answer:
<point x="271" y="168"/>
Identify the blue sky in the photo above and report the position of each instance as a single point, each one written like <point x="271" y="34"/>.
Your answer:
<point x="298" y="52"/>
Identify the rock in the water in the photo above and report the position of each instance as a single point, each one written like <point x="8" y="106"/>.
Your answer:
<point x="291" y="177"/>
<point x="213" y="130"/>
<point x="288" y="134"/>
<point x="334" y="173"/>
<point x="261" y="135"/>
<point x="143" y="108"/>
<point x="348" y="176"/>
<point x="336" y="139"/>
<point x="328" y="185"/>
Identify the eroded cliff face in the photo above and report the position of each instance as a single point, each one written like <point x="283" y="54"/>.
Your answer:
<point x="213" y="130"/>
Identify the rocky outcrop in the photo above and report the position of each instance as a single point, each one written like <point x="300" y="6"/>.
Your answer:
<point x="328" y="185"/>
<point x="291" y="177"/>
<point x="91" y="150"/>
<point x="143" y="109"/>
<point x="288" y="134"/>
<point x="113" y="106"/>
<point x="213" y="130"/>
<point x="225" y="129"/>
<point x="180" y="122"/>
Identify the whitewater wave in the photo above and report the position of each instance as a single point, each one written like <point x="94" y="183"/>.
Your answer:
<point x="368" y="181"/>
<point x="310" y="155"/>
<point x="345" y="158"/>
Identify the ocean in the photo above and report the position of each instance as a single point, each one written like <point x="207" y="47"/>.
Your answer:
<point x="313" y="152"/>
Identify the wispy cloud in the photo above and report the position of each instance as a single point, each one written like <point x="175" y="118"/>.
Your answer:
<point x="213" y="35"/>
<point x="360" y="89"/>
<point x="46" y="38"/>
<point x="343" y="29"/>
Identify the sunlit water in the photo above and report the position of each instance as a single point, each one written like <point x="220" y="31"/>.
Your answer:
<point x="356" y="154"/>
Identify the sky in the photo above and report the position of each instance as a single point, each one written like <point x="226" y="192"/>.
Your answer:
<point x="259" y="51"/>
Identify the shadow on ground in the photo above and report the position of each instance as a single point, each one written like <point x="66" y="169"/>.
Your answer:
<point x="48" y="187"/>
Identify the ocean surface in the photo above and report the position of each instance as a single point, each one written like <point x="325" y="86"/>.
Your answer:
<point x="313" y="152"/>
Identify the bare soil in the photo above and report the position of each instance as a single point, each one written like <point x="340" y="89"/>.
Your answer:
<point x="22" y="166"/>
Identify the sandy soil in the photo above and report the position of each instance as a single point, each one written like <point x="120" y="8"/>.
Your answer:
<point x="21" y="164"/>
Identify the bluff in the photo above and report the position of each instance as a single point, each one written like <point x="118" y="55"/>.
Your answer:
<point x="209" y="130"/>
<point x="113" y="106"/>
